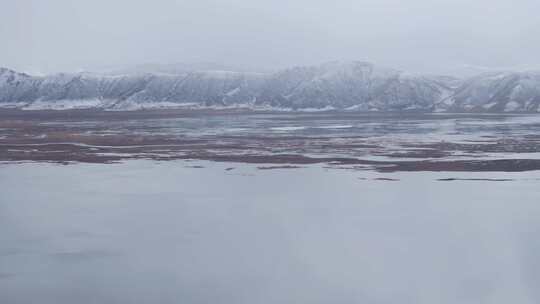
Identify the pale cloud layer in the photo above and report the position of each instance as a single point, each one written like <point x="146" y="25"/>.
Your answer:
<point x="441" y="36"/>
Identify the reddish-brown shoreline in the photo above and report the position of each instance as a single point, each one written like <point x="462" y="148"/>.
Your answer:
<point x="41" y="136"/>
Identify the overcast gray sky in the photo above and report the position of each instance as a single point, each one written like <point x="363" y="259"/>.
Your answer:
<point x="415" y="35"/>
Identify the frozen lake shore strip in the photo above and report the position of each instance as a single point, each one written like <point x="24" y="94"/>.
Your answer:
<point x="381" y="142"/>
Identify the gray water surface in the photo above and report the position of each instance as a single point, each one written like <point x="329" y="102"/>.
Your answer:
<point x="165" y="232"/>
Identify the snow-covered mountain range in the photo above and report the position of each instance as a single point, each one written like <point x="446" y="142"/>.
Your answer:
<point x="336" y="85"/>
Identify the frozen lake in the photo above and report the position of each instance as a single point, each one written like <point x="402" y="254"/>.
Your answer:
<point x="144" y="231"/>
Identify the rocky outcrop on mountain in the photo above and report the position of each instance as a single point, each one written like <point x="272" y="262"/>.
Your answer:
<point x="342" y="86"/>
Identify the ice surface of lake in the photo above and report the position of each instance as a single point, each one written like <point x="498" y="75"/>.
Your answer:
<point x="169" y="232"/>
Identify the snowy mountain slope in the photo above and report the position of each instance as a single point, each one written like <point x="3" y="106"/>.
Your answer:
<point x="334" y="85"/>
<point x="498" y="92"/>
<point x="17" y="88"/>
<point x="64" y="91"/>
<point x="350" y="85"/>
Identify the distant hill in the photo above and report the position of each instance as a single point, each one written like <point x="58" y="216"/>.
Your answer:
<point x="352" y="86"/>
